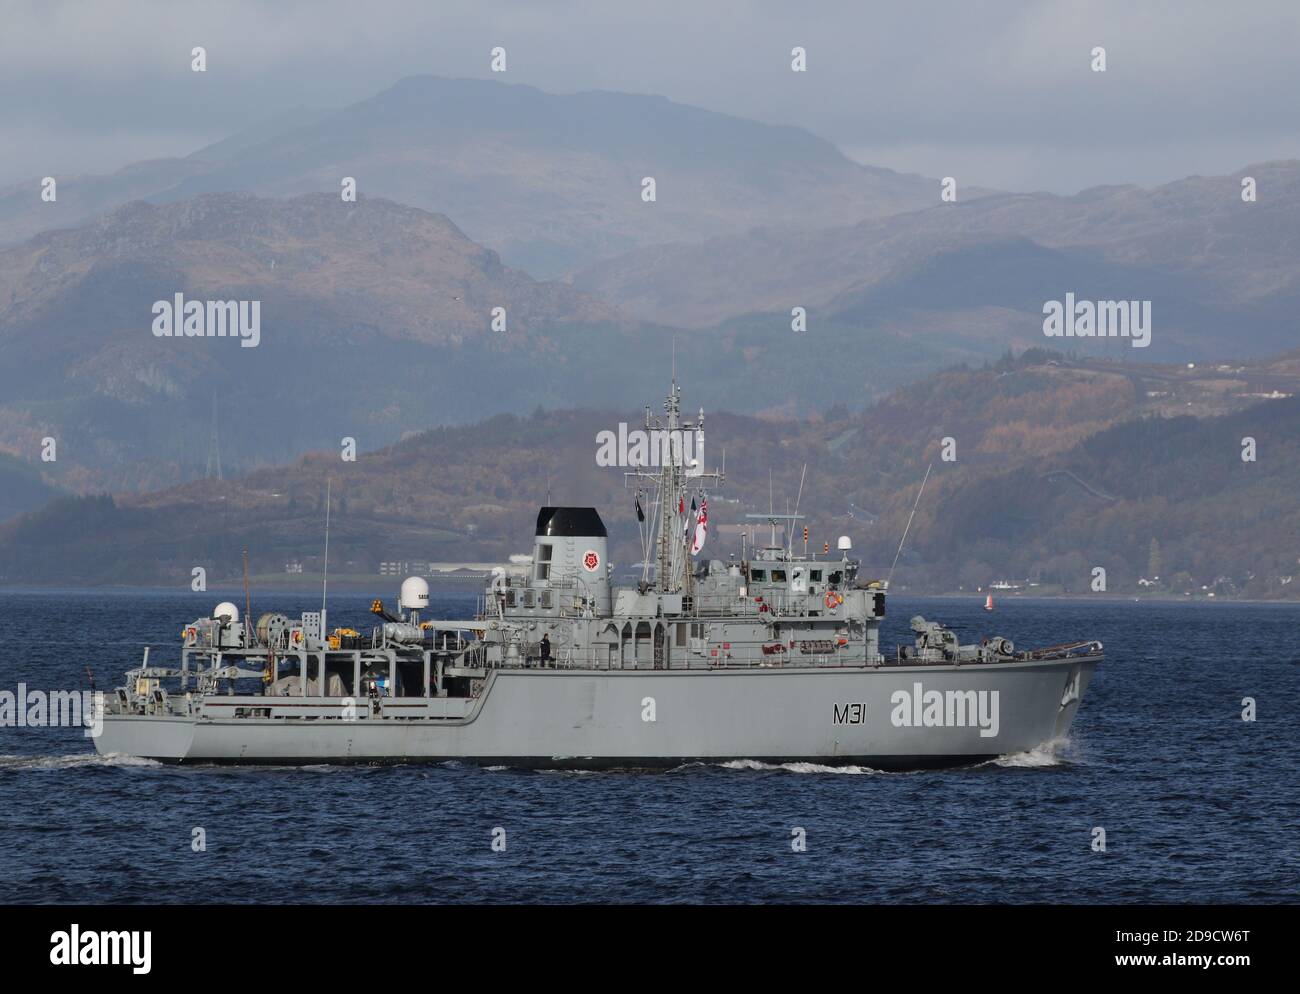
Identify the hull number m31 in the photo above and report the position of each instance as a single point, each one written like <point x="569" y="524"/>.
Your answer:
<point x="851" y="713"/>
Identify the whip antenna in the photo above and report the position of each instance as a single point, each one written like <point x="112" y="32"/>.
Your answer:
<point x="798" y="498"/>
<point x="248" y="604"/>
<point x="325" y="574"/>
<point x="915" y="504"/>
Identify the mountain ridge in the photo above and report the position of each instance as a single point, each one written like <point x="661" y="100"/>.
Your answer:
<point x="1213" y="256"/>
<point x="548" y="180"/>
<point x="1005" y="508"/>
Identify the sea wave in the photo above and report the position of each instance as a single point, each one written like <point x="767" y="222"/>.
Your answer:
<point x="1051" y="753"/>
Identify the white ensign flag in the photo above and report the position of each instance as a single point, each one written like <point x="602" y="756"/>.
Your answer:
<point x="701" y="527"/>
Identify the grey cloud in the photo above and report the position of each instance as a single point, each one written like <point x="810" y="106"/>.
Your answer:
<point x="1000" y="94"/>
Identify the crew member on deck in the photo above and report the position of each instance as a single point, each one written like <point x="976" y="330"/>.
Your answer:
<point x="545" y="649"/>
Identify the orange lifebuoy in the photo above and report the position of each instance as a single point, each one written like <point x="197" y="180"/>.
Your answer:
<point x="833" y="600"/>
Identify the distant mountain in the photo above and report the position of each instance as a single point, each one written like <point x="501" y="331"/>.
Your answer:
<point x="375" y="320"/>
<point x="1165" y="499"/>
<point x="550" y="182"/>
<point x="1060" y="466"/>
<point x="1223" y="275"/>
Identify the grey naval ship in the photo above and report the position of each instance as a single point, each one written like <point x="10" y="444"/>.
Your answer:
<point x="771" y="655"/>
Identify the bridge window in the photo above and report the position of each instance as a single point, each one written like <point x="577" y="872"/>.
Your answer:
<point x="778" y="576"/>
<point x="815" y="575"/>
<point x="757" y="575"/>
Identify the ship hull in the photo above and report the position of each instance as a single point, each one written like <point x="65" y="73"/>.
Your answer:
<point x="889" y="717"/>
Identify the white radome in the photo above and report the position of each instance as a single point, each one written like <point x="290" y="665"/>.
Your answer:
<point x="844" y="543"/>
<point x="226" y="608"/>
<point x="415" y="593"/>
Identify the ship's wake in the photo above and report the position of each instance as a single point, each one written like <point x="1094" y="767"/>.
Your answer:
<point x="72" y="761"/>
<point x="753" y="764"/>
<point x="1057" y="752"/>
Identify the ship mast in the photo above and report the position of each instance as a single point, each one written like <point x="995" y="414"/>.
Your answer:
<point x="671" y="493"/>
<point x="673" y="555"/>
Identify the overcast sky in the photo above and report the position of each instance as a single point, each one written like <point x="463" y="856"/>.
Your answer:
<point x="998" y="94"/>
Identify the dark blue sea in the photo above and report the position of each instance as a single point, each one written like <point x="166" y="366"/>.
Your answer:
<point x="1197" y="804"/>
